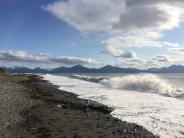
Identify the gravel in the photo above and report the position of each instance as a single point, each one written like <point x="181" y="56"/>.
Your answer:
<point x="13" y="99"/>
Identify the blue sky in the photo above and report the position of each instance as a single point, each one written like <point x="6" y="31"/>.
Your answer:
<point x="50" y="33"/>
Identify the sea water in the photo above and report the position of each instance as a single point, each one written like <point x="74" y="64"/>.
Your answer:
<point x="154" y="101"/>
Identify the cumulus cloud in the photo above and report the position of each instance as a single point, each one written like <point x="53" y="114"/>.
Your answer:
<point x="24" y="57"/>
<point x="88" y="15"/>
<point x="115" y="52"/>
<point x="118" y="14"/>
<point x="114" y="45"/>
<point x="128" y="23"/>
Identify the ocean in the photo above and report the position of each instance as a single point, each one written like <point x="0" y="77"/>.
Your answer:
<point x="154" y="101"/>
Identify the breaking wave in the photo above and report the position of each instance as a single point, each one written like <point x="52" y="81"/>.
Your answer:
<point x="88" y="78"/>
<point x="144" y="83"/>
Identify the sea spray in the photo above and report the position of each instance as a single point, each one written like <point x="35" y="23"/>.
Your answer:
<point x="138" y="82"/>
<point x="144" y="83"/>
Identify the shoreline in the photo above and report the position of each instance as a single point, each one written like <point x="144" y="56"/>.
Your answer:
<point x="55" y="113"/>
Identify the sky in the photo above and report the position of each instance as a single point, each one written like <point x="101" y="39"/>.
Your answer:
<point x="125" y="33"/>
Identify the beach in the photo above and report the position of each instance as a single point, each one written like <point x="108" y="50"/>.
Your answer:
<point x="33" y="108"/>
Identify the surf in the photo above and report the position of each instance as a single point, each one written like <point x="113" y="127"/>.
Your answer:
<point x="142" y="82"/>
<point x="160" y="114"/>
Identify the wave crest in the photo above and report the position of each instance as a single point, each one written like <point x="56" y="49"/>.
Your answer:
<point x="90" y="79"/>
<point x="144" y="83"/>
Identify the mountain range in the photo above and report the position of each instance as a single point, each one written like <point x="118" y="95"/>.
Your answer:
<point x="105" y="69"/>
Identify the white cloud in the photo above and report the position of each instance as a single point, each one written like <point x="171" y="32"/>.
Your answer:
<point x="177" y="50"/>
<point x="24" y="57"/>
<point x="115" y="44"/>
<point x="128" y="23"/>
<point x="88" y="15"/>
<point x="169" y="44"/>
<point x="115" y="52"/>
<point x="152" y="62"/>
<point x="103" y="15"/>
<point x="162" y="58"/>
<point x="140" y="63"/>
<point x="138" y="39"/>
<point x="132" y="62"/>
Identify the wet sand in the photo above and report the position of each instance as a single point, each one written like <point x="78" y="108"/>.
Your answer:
<point x="32" y="108"/>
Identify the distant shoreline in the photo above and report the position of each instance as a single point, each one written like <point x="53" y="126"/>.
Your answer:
<point x="47" y="112"/>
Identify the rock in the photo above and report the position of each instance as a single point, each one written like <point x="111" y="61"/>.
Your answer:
<point x="59" y="106"/>
<point x="8" y="125"/>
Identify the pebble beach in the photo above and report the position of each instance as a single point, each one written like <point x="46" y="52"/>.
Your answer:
<point x="32" y="108"/>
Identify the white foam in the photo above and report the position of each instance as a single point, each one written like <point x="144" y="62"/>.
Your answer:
<point x="88" y="78"/>
<point x="144" y="83"/>
<point x="160" y="114"/>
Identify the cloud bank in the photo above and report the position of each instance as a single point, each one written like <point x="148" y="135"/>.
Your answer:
<point x="154" y="61"/>
<point x="24" y="57"/>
